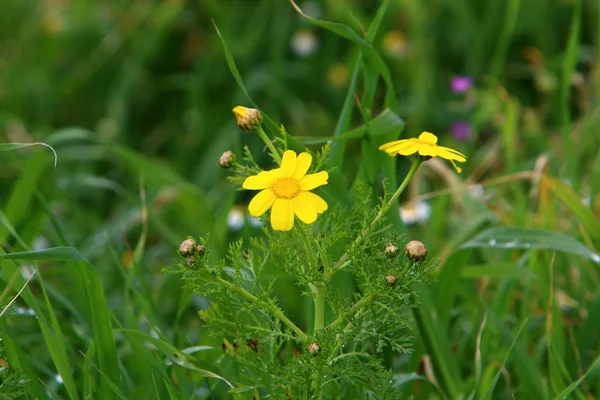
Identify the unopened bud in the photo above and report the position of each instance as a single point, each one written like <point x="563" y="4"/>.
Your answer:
<point x="226" y="160"/>
<point x="201" y="250"/>
<point x="314" y="348"/>
<point x="391" y="250"/>
<point x="190" y="262"/>
<point x="187" y="247"/>
<point x="391" y="279"/>
<point x="248" y="119"/>
<point x="415" y="250"/>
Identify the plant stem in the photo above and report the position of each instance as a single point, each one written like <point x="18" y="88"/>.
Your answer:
<point x="265" y="138"/>
<point x="276" y="311"/>
<point x="319" y="289"/>
<point x="382" y="211"/>
<point x="355" y="308"/>
<point x="319" y="292"/>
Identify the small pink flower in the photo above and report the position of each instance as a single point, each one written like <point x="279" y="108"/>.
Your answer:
<point x="461" y="130"/>
<point x="461" y="84"/>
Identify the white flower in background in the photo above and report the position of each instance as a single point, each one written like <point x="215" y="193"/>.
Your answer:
<point x="587" y="201"/>
<point x="255" y="222"/>
<point x="415" y="212"/>
<point x="40" y="243"/>
<point x="24" y="311"/>
<point x="304" y="43"/>
<point x="236" y="218"/>
<point x="27" y="271"/>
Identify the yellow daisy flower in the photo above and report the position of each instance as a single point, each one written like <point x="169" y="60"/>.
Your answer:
<point x="286" y="191"/>
<point x="425" y="145"/>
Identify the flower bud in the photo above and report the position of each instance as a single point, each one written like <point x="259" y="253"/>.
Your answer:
<point x="415" y="250"/>
<point x="190" y="262"/>
<point x="201" y="250"/>
<point x="391" y="250"/>
<point x="248" y="119"/>
<point x="391" y="279"/>
<point x="226" y="160"/>
<point x="187" y="247"/>
<point x="314" y="348"/>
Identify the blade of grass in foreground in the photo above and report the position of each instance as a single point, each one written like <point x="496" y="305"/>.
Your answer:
<point x="573" y="386"/>
<point x="508" y="353"/>
<point x="437" y="344"/>
<point x="173" y="354"/>
<point x="15" y="146"/>
<point x="88" y="277"/>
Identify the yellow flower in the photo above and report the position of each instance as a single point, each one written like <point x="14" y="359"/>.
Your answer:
<point x="248" y="119"/>
<point x="425" y="145"/>
<point x="286" y="191"/>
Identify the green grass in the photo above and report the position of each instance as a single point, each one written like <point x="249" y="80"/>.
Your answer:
<point x="135" y="98"/>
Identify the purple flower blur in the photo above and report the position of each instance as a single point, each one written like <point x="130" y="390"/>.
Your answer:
<point x="461" y="84"/>
<point x="461" y="130"/>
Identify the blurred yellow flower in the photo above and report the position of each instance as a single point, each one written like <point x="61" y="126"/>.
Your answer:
<point x="338" y="74"/>
<point x="286" y="191"/>
<point x="394" y="43"/>
<point x="425" y="145"/>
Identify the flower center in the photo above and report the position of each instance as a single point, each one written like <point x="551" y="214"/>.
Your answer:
<point x="286" y="188"/>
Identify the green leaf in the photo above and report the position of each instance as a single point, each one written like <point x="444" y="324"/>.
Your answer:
<point x="51" y="254"/>
<point x="388" y="123"/>
<point x="498" y="270"/>
<point x="530" y="238"/>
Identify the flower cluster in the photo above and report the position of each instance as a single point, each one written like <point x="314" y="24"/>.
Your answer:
<point x="286" y="190"/>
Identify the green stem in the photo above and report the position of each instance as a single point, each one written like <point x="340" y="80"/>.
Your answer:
<point x="276" y="311"/>
<point x="319" y="292"/>
<point x="319" y="289"/>
<point x="355" y="308"/>
<point x="265" y="138"/>
<point x="382" y="211"/>
<point x="312" y="258"/>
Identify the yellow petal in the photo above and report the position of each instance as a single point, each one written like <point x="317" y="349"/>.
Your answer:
<point x="282" y="215"/>
<point x="451" y="153"/>
<point x="261" y="203"/>
<point x="304" y="209"/>
<point x="312" y="181"/>
<point x="288" y="164"/>
<point x="261" y="181"/>
<point x="317" y="203"/>
<point x="428" y="137"/>
<point x="408" y="150"/>
<point x="428" y="150"/>
<point x="397" y="146"/>
<point x="302" y="165"/>
<point x="239" y="111"/>
<point x="386" y="146"/>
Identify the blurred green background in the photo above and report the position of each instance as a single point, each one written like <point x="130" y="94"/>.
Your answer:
<point x="136" y="99"/>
